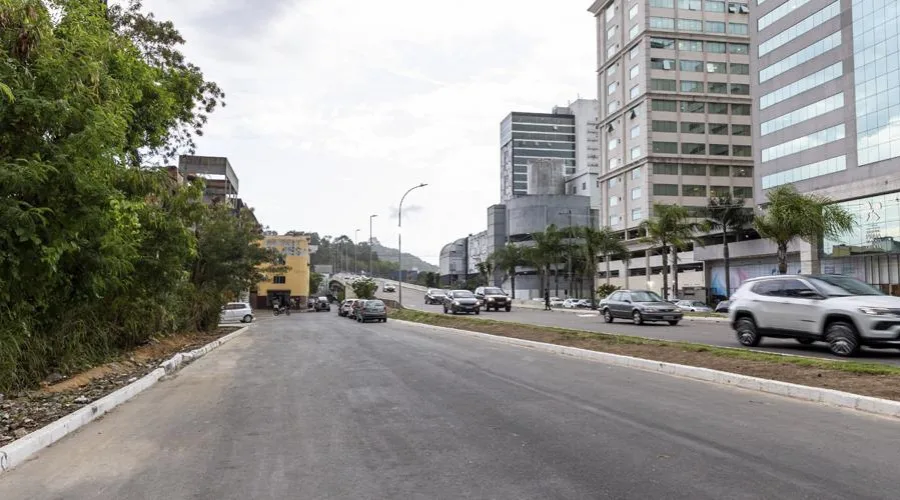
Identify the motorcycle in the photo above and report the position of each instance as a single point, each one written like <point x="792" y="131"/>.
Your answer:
<point x="282" y="310"/>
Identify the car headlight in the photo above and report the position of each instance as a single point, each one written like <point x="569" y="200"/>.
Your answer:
<point x="455" y="302"/>
<point x="875" y="311"/>
<point x="490" y="299"/>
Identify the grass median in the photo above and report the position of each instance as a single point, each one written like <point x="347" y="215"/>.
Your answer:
<point x="870" y="379"/>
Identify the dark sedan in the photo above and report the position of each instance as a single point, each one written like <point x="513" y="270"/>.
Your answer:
<point x="372" y="310"/>
<point x="457" y="301"/>
<point x="491" y="297"/>
<point x="640" y="306"/>
<point x="435" y="296"/>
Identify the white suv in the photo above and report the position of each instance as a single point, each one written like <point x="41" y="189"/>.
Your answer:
<point x="842" y="311"/>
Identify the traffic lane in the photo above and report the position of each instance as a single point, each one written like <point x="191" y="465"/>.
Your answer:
<point x="698" y="331"/>
<point x="317" y="406"/>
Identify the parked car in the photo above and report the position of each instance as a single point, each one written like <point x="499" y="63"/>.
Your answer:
<point x="841" y="311"/>
<point x="556" y="302"/>
<point x="371" y="310"/>
<point x="354" y="309"/>
<point x="583" y="304"/>
<point x="570" y="303"/>
<point x="693" y="306"/>
<point x="722" y="307"/>
<point x="236" y="311"/>
<point x="345" y="307"/>
<point x="457" y="301"/>
<point x="491" y="297"/>
<point x="389" y="288"/>
<point x="322" y="304"/>
<point x="640" y="306"/>
<point x="435" y="296"/>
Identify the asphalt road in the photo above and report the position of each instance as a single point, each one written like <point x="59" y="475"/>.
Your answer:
<point x="698" y="331"/>
<point x="314" y="406"/>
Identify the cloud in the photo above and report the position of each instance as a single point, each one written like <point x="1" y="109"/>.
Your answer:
<point x="340" y="106"/>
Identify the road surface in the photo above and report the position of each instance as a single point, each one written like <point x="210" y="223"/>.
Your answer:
<point x="698" y="331"/>
<point x="313" y="406"/>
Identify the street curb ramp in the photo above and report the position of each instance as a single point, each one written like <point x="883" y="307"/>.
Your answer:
<point x="828" y="397"/>
<point x="19" y="451"/>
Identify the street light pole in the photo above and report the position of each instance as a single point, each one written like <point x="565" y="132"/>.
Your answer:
<point x="355" y="239"/>
<point x="400" y="244"/>
<point x="370" y="243"/>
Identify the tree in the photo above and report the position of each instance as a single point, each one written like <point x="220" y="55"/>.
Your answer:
<point x="508" y="258"/>
<point x="364" y="288"/>
<point x="547" y="251"/>
<point x="600" y="242"/>
<point x="605" y="289"/>
<point x="485" y="271"/>
<point x="669" y="229"/>
<point x="315" y="281"/>
<point x="728" y="215"/>
<point x="789" y="215"/>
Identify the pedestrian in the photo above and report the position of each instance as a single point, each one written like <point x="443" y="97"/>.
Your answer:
<point x="547" y="299"/>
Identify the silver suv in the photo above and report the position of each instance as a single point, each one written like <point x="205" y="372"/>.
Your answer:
<point x="842" y="311"/>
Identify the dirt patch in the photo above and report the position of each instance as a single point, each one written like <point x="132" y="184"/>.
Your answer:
<point x="59" y="396"/>
<point x="868" y="379"/>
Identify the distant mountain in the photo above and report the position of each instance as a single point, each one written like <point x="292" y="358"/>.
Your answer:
<point x="409" y="260"/>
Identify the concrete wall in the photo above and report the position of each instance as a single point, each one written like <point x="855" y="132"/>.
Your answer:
<point x="546" y="176"/>
<point x="533" y="213"/>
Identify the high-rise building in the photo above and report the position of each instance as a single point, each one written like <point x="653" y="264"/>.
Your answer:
<point x="675" y="117"/>
<point x="826" y="101"/>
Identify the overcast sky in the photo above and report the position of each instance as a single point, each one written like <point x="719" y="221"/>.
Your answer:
<point x="336" y="107"/>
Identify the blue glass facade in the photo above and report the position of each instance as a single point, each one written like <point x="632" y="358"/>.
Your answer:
<point x="876" y="50"/>
<point x="877" y="227"/>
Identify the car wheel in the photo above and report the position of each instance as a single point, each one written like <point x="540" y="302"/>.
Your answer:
<point x="508" y="308"/>
<point x="842" y="339"/>
<point x="248" y="318"/>
<point x="805" y="341"/>
<point x="445" y="309"/>
<point x="477" y="312"/>
<point x="636" y="318"/>
<point x="673" y="323"/>
<point x="607" y="316"/>
<point x="384" y="320"/>
<point x="746" y="332"/>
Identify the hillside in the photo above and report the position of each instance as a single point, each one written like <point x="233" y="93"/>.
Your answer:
<point x="409" y="260"/>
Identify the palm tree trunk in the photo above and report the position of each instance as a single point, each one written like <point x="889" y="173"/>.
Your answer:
<point x="593" y="291"/>
<point x="556" y="277"/>
<point x="782" y="258"/>
<point x="606" y="258"/>
<point x="727" y="263"/>
<point x="665" y="270"/>
<point x="675" y="272"/>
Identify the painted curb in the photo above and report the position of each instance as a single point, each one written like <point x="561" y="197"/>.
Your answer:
<point x="20" y="450"/>
<point x="829" y="397"/>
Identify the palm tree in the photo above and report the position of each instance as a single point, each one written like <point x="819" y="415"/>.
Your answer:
<point x="508" y="258"/>
<point x="548" y="249"/>
<point x="789" y="215"/>
<point x="669" y="229"/>
<point x="486" y="270"/>
<point x="729" y="215"/>
<point x="600" y="242"/>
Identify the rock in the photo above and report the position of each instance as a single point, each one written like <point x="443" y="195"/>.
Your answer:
<point x="28" y="421"/>
<point x="54" y="378"/>
<point x="1" y="398"/>
<point x="132" y="380"/>
<point x="19" y="433"/>
<point x="81" y="400"/>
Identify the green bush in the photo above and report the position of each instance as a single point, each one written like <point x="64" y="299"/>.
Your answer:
<point x="605" y="289"/>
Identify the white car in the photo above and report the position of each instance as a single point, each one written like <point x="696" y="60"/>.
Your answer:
<point x="556" y="302"/>
<point x="236" y="311"/>
<point x="693" y="306"/>
<point x="570" y="303"/>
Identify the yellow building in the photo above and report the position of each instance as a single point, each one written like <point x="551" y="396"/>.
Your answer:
<point x="294" y="283"/>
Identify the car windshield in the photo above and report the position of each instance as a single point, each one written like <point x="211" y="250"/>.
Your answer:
<point x="462" y="294"/>
<point x="645" y="297"/>
<point x="493" y="291"/>
<point x="843" y="286"/>
<point x="374" y="304"/>
<point x="698" y="304"/>
<point x="436" y="292"/>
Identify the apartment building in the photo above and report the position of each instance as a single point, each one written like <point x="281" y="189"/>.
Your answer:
<point x="675" y="118"/>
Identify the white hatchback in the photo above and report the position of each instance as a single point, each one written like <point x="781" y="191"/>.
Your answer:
<point x="236" y="311"/>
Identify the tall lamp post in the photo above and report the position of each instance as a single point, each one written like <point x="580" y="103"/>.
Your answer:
<point x="400" y="243"/>
<point x="355" y="239"/>
<point x="370" y="243"/>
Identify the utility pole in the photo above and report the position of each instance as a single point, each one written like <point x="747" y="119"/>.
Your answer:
<point x="370" y="243"/>
<point x="355" y="239"/>
<point x="400" y="244"/>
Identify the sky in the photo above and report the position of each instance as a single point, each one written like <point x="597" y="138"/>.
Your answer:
<point x="336" y="107"/>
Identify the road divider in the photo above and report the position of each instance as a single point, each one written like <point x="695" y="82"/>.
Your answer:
<point x="24" y="448"/>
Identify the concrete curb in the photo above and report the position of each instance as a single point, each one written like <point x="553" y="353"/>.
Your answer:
<point x="829" y="397"/>
<point x="573" y="311"/>
<point x="21" y="450"/>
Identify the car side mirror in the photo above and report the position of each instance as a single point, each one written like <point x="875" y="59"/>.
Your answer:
<point x="808" y="294"/>
<point x="627" y="301"/>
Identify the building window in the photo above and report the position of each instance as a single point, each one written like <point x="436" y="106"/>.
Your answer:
<point x="634" y="52"/>
<point x="803" y="143"/>
<point x="743" y="192"/>
<point x="634" y="71"/>
<point x="669" y="148"/>
<point x="738" y="150"/>
<point x="614" y="182"/>
<point x="688" y="65"/>
<point x="740" y="130"/>
<point x="689" y="4"/>
<point x="636" y="214"/>
<point x="718" y="129"/>
<point x="690" y="46"/>
<point x="665" y="190"/>
<point x="662" y="43"/>
<point x="664" y="126"/>
<point x="692" y="106"/>
<point x="778" y="12"/>
<point x="690" y="25"/>
<point x="635" y="131"/>
<point x="740" y="89"/>
<point x="661" y="63"/>
<point x="612" y="87"/>
<point x="718" y="149"/>
<point x="715" y="27"/>
<point x="635" y="152"/>
<point x="803" y="114"/>
<point x="713" y="6"/>
<point x="716" y="67"/>
<point x="717" y="88"/>
<point x="633" y="32"/>
<point x="691" y="86"/>
<point x="584" y="186"/>
<point x="632" y="11"/>
<point x="662" y="23"/>
<point x="739" y="69"/>
<point x="613" y="201"/>
<point x="611" y="50"/>
<point x="610" y="12"/>
<point x="742" y="171"/>
<point x="828" y="74"/>
<point x="715" y="47"/>
<point x="737" y="28"/>
<point x="612" y="106"/>
<point x="663" y="105"/>
<point x="610" y="71"/>
<point x="634" y="92"/>
<point x="693" y="148"/>
<point x="692" y="169"/>
<point x="666" y="4"/>
<point x="718" y="191"/>
<point x="636" y="173"/>
<point x="719" y="170"/>
<point x="613" y="143"/>
<point x="611" y="32"/>
<point x="614" y="220"/>
<point x="718" y="108"/>
<point x="279" y="280"/>
<point x="818" y="169"/>
<point x="740" y="109"/>
<point x="635" y="193"/>
<point x="693" y="128"/>
<point x="693" y="190"/>
<point x="800" y="28"/>
<point x="801" y="56"/>
<point x="739" y="48"/>
<point x="665" y="169"/>
<point x="662" y="85"/>
<point x="740" y="7"/>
